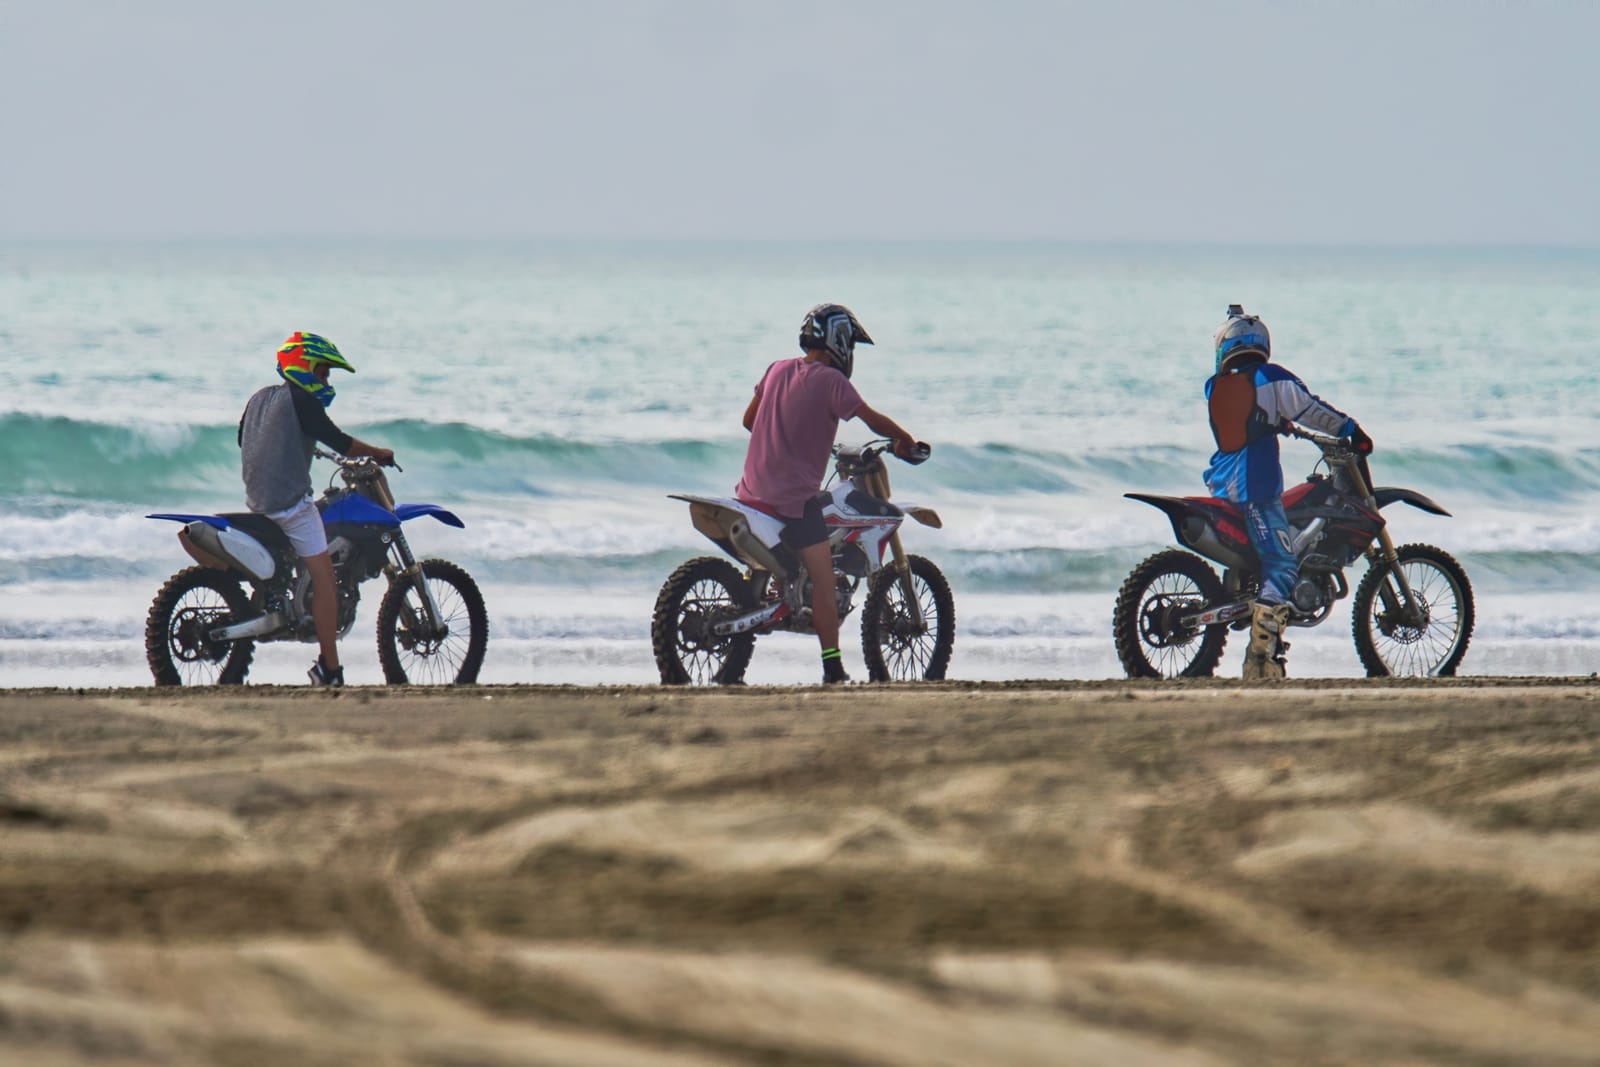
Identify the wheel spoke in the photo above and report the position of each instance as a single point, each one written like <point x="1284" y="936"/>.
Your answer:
<point x="702" y="654"/>
<point x="435" y="659"/>
<point x="908" y="654"/>
<point x="1425" y="643"/>
<point x="197" y="611"/>
<point x="1147" y="622"/>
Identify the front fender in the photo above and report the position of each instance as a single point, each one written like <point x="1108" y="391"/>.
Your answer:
<point x="922" y="513"/>
<point x="412" y="511"/>
<point x="1388" y="494"/>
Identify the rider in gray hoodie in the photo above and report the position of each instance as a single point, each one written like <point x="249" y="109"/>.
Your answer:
<point x="278" y="434"/>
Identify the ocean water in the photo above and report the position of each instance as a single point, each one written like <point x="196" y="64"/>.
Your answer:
<point x="552" y="394"/>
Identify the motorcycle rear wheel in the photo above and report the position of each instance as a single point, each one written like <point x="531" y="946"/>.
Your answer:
<point x="410" y="655"/>
<point x="192" y="601"/>
<point x="1394" y="647"/>
<point x="698" y="594"/>
<point x="895" y="650"/>
<point x="1150" y="642"/>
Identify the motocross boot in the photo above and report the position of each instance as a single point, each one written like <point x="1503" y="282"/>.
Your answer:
<point x="323" y="675"/>
<point x="833" y="672"/>
<point x="1263" y="659"/>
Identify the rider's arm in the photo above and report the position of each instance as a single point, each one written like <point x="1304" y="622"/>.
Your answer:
<point x="750" y="412"/>
<point x="1286" y="398"/>
<point x="384" y="456"/>
<point x="314" y="421"/>
<point x="884" y="426"/>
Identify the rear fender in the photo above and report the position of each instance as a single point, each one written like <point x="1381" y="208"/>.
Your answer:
<point x="714" y="516"/>
<point x="220" y="542"/>
<point x="216" y="522"/>
<point x="1175" y="508"/>
<point x="1388" y="494"/>
<point x="748" y="534"/>
<point x="1197" y="526"/>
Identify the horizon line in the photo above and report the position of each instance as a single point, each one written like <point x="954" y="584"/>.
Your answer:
<point x="865" y="242"/>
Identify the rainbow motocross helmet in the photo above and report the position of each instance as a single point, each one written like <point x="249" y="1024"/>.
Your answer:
<point x="1241" y="336"/>
<point x="299" y="357"/>
<point x="833" y="329"/>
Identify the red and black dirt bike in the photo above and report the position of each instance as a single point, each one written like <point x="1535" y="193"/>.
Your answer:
<point x="1412" y="613"/>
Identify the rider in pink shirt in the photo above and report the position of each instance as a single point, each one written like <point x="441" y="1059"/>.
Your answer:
<point x="792" y="420"/>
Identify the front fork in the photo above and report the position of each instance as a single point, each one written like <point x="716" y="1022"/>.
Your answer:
<point x="1383" y="554"/>
<point x="878" y="486"/>
<point x="406" y="567"/>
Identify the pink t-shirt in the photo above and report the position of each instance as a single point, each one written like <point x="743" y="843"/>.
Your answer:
<point x="800" y="405"/>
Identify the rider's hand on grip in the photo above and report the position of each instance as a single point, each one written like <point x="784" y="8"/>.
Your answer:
<point x="1362" y="443"/>
<point x="913" y="452"/>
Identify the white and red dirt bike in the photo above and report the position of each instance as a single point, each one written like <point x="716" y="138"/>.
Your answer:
<point x="709" y="612"/>
<point x="1412" y="613"/>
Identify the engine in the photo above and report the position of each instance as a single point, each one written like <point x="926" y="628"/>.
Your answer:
<point x="1315" y="592"/>
<point x="797" y="592"/>
<point x="346" y="580"/>
<point x="1308" y="596"/>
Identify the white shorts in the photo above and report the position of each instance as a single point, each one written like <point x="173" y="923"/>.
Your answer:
<point x="303" y="526"/>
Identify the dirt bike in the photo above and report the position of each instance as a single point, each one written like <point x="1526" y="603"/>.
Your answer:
<point x="1412" y="613"/>
<point x="709" y="612"/>
<point x="202" y="627"/>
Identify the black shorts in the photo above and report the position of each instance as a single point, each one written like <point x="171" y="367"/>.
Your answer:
<point x="807" y="530"/>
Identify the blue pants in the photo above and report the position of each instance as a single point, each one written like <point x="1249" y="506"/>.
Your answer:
<point x="1269" y="533"/>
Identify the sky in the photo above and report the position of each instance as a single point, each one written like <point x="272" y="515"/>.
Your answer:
<point x="1165" y="121"/>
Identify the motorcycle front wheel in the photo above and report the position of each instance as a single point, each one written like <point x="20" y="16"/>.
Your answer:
<point x="193" y="602"/>
<point x="699" y="594"/>
<point x="896" y="648"/>
<point x="450" y="652"/>
<point x="1428" y="638"/>
<point x="1152" y="640"/>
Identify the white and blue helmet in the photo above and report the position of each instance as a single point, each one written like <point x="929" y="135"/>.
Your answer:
<point x="1241" y="336"/>
<point x="833" y="328"/>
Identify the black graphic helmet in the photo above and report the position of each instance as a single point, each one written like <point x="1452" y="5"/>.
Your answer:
<point x="833" y="329"/>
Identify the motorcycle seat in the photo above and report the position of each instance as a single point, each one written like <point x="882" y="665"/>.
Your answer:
<point x="1291" y="496"/>
<point x="263" y="529"/>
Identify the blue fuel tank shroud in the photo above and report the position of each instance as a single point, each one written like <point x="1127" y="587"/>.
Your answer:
<point x="355" y="508"/>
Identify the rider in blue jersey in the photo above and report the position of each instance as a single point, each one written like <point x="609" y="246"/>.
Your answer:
<point x="1249" y="399"/>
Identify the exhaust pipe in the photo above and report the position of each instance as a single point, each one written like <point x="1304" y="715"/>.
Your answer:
<point x="261" y="624"/>
<point x="746" y="623"/>
<point x="751" y="547"/>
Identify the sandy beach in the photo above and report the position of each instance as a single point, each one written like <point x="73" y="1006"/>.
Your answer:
<point x="1091" y="874"/>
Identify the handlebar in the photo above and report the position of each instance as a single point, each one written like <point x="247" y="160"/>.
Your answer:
<point x="1339" y="446"/>
<point x="352" y="461"/>
<point x="879" y="445"/>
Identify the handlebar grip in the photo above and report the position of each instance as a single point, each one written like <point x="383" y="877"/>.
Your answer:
<point x="920" y="454"/>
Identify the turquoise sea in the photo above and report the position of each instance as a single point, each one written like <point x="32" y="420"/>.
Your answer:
<point x="553" y="394"/>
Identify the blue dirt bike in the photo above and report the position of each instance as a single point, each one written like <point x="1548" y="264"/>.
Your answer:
<point x="203" y="626"/>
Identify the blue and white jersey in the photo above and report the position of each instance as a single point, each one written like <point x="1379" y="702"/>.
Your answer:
<point x="1251" y="471"/>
